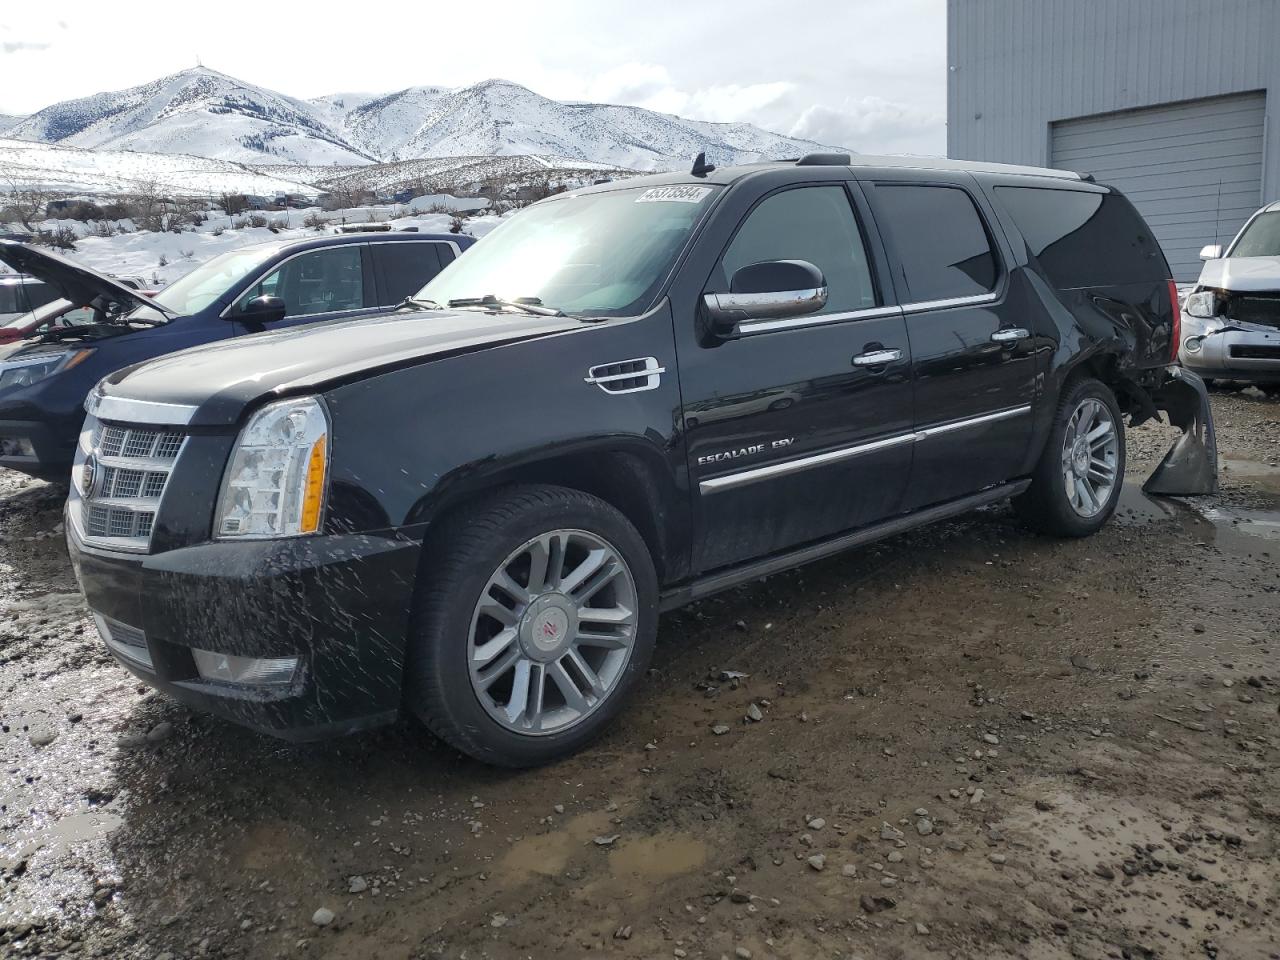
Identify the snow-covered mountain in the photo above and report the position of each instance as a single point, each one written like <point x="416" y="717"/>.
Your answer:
<point x="7" y="121"/>
<point x="500" y="118"/>
<point x="206" y="113"/>
<point x="199" y="112"/>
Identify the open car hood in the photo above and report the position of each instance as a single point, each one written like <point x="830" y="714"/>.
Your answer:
<point x="1242" y="274"/>
<point x="72" y="281"/>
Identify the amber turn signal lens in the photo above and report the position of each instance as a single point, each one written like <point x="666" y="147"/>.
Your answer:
<point x="313" y="496"/>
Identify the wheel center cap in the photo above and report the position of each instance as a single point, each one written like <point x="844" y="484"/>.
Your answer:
<point x="1080" y="458"/>
<point x="547" y="627"/>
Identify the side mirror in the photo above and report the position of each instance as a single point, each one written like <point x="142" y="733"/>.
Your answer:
<point x="1211" y="252"/>
<point x="771" y="290"/>
<point x="262" y="310"/>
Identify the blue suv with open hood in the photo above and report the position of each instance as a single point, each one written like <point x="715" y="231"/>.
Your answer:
<point x="44" y="380"/>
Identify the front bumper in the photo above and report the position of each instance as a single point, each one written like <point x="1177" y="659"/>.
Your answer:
<point x="40" y="449"/>
<point x="339" y="603"/>
<point x="1228" y="350"/>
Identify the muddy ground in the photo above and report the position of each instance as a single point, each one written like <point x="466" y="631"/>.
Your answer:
<point x="975" y="742"/>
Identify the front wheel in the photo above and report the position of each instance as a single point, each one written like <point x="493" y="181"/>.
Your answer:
<point x="535" y="619"/>
<point x="1076" y="484"/>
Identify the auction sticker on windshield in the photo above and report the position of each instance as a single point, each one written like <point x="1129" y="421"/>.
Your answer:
<point x="682" y="194"/>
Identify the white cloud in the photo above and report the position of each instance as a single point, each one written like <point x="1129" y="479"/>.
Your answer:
<point x="891" y="127"/>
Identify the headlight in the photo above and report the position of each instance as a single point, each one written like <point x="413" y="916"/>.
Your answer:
<point x="275" y="483"/>
<point x="1205" y="304"/>
<point x="27" y="370"/>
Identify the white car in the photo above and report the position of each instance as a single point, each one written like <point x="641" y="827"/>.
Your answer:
<point x="1231" y="318"/>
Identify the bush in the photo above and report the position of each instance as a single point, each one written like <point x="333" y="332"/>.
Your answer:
<point x="187" y="254"/>
<point x="233" y="203"/>
<point x="257" y="220"/>
<point x="455" y="225"/>
<point x="219" y="231"/>
<point x="104" y="228"/>
<point x="314" y="221"/>
<point x="60" y="238"/>
<point x="164" y="261"/>
<point x="239" y="224"/>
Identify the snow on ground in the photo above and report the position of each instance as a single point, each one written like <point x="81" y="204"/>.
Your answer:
<point x="73" y="170"/>
<point x="161" y="258"/>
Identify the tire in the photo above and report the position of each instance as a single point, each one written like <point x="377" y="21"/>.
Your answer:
<point x="1051" y="504"/>
<point x="474" y="597"/>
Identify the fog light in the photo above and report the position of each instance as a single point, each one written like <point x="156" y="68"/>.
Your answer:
<point x="16" y="447"/>
<point x="224" y="667"/>
<point x="1192" y="344"/>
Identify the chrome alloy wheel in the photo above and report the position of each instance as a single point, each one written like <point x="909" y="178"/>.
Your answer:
<point x="1090" y="457"/>
<point x="552" y="632"/>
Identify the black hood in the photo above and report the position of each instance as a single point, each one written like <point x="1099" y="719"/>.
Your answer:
<point x="73" y="282"/>
<point x="222" y="378"/>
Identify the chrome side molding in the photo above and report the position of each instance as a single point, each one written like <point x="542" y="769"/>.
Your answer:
<point x="788" y="467"/>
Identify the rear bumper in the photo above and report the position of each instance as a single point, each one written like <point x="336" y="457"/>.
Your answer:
<point x="1217" y="349"/>
<point x="339" y="604"/>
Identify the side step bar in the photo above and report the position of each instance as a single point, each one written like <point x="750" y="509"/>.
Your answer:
<point x="716" y="582"/>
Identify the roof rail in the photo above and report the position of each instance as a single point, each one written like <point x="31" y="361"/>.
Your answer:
<point x="824" y="160"/>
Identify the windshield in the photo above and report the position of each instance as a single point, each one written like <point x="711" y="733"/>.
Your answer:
<point x="208" y="282"/>
<point x="35" y="317"/>
<point x="23" y="297"/>
<point x="1261" y="238"/>
<point x="596" y="254"/>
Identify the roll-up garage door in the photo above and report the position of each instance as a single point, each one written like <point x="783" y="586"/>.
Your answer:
<point x="1193" y="169"/>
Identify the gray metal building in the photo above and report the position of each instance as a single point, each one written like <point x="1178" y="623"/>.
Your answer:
<point x="1173" y="101"/>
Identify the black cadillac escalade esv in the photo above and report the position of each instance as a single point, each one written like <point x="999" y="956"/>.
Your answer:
<point x="625" y="398"/>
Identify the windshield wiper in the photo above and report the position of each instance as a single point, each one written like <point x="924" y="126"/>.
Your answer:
<point x="531" y="305"/>
<point x="416" y="304"/>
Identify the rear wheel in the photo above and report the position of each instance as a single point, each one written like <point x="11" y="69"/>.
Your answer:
<point x="535" y="619"/>
<point x="1076" y="484"/>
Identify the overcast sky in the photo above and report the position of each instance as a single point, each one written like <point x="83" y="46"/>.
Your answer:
<point x="867" y="74"/>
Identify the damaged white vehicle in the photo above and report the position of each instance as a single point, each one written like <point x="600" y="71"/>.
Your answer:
<point x="1231" y="320"/>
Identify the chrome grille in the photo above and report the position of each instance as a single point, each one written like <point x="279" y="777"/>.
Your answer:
<point x="119" y="478"/>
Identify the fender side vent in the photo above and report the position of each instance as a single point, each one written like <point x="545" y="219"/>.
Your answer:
<point x="627" y="376"/>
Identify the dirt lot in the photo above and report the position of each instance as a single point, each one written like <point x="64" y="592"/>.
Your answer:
<point x="973" y="742"/>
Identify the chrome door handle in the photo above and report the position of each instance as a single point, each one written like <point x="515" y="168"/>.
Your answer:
<point x="876" y="358"/>
<point x="1009" y="334"/>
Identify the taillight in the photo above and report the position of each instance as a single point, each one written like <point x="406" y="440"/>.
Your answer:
<point x="1177" y="320"/>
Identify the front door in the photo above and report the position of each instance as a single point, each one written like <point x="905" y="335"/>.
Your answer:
<point x="792" y="436"/>
<point x="322" y="284"/>
<point x="970" y="325"/>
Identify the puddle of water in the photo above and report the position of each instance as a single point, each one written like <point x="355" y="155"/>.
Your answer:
<point x="658" y="857"/>
<point x="1265" y="476"/>
<point x="548" y="854"/>
<point x="1250" y="523"/>
<point x="48" y="840"/>
<point x="1135" y="506"/>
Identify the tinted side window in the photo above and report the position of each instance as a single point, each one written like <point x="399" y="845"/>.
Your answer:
<point x="322" y="281"/>
<point x="814" y="224"/>
<point x="1084" y="239"/>
<point x="406" y="268"/>
<point x="940" y="239"/>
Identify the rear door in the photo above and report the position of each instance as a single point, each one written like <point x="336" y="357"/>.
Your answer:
<point x="403" y="268"/>
<point x="323" y="284"/>
<point x="793" y="438"/>
<point x="972" y="346"/>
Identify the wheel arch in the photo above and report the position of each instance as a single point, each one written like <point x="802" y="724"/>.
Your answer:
<point x="630" y="474"/>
